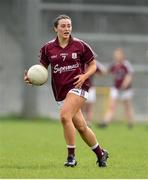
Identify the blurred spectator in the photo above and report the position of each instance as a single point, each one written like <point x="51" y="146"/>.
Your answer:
<point x="122" y="72"/>
<point x="88" y="106"/>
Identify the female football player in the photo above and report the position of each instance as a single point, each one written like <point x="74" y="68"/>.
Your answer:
<point x="67" y="57"/>
<point x="123" y="75"/>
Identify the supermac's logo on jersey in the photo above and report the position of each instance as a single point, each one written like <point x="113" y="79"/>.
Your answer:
<point x="74" y="55"/>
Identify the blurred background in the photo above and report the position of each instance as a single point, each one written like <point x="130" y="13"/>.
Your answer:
<point x="105" y="24"/>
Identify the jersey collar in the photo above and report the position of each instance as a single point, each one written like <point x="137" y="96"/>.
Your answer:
<point x="56" y="42"/>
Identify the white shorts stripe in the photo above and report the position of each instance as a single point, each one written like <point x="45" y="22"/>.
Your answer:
<point x="79" y="92"/>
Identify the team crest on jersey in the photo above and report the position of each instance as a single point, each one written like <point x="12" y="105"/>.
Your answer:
<point x="74" y="55"/>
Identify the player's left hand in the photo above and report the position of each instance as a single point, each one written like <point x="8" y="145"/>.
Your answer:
<point x="80" y="80"/>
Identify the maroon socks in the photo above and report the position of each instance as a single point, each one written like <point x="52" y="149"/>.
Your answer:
<point x="71" y="150"/>
<point x="97" y="150"/>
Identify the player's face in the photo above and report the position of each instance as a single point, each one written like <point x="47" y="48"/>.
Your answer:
<point x="118" y="56"/>
<point x="64" y="28"/>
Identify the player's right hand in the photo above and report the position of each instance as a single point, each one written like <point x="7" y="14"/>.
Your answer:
<point x="26" y="79"/>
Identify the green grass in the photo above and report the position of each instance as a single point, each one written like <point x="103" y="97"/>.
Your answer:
<point x="36" y="149"/>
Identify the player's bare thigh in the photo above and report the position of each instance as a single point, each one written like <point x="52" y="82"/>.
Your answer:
<point x="72" y="104"/>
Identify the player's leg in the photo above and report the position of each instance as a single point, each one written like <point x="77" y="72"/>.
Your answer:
<point x="89" y="137"/>
<point x="129" y="112"/>
<point x="72" y="104"/>
<point x="89" y="105"/>
<point x="85" y="132"/>
<point x="88" y="112"/>
<point x="127" y="101"/>
<point x="112" y="104"/>
<point x="110" y="112"/>
<point x="85" y="110"/>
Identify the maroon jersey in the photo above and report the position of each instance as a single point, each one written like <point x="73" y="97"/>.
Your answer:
<point x="119" y="72"/>
<point x="66" y="63"/>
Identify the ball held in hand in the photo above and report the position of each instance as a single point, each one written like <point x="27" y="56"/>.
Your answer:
<point x="37" y="74"/>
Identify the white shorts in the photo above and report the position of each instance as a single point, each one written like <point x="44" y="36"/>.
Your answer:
<point x="121" y="94"/>
<point x="77" y="91"/>
<point x="91" y="95"/>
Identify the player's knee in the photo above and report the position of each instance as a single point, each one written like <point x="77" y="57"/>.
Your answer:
<point x="64" y="117"/>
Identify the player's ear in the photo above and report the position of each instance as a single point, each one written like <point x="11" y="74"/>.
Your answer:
<point x="55" y="29"/>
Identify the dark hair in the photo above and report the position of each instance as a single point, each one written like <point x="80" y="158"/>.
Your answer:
<point x="62" y="16"/>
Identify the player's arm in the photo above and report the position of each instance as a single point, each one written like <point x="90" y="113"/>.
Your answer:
<point x="101" y="69"/>
<point x="90" y="70"/>
<point x="46" y="66"/>
<point x="129" y="76"/>
<point x="127" y="81"/>
<point x="44" y="61"/>
<point x="104" y="71"/>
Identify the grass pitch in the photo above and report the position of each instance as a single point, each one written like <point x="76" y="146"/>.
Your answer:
<point x="36" y="149"/>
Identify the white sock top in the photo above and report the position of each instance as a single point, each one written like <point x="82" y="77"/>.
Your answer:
<point x="94" y="147"/>
<point x="71" y="146"/>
